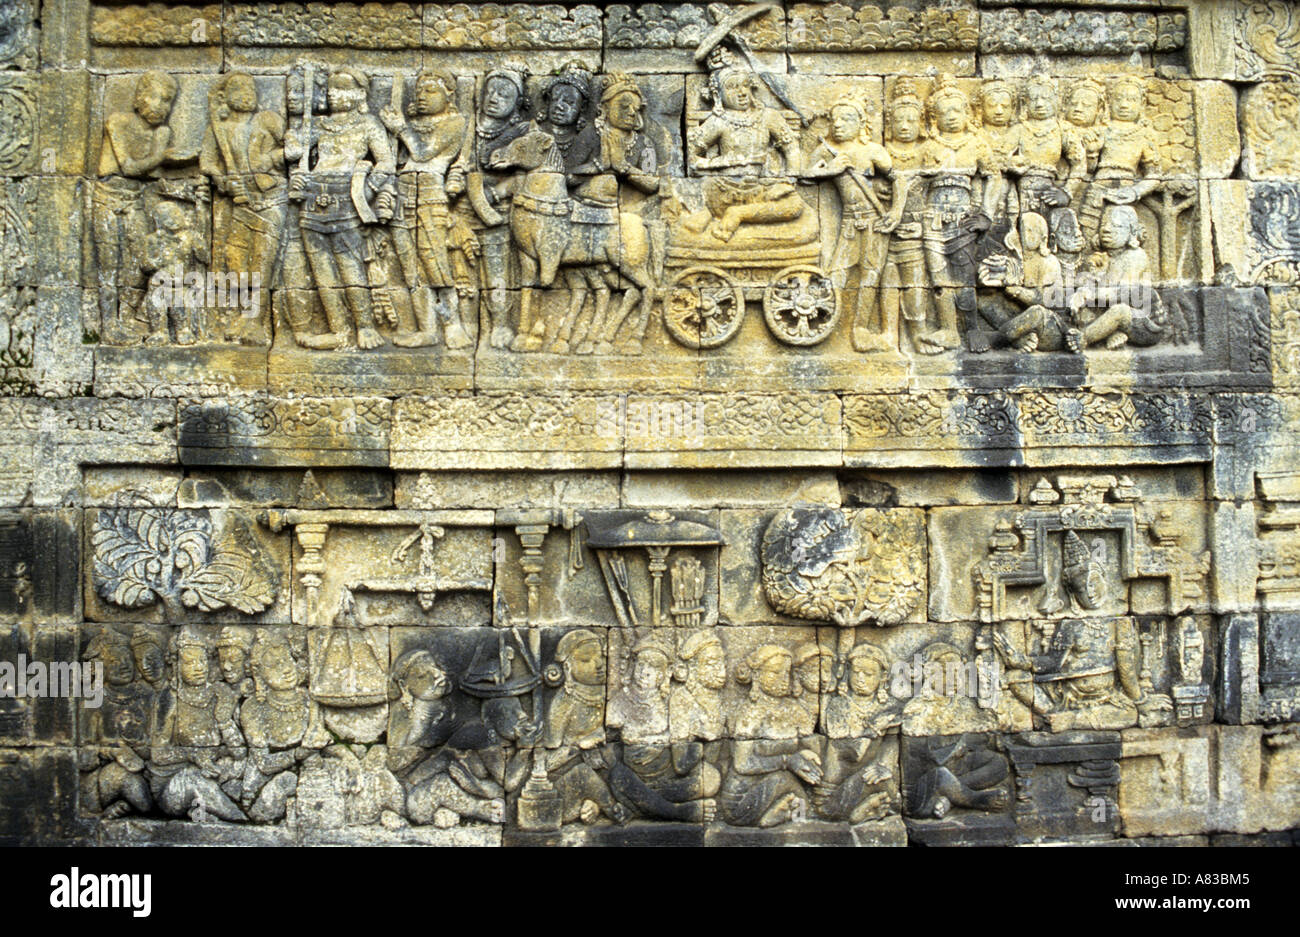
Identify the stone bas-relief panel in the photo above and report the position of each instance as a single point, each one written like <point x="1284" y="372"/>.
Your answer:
<point x="709" y="424"/>
<point x="506" y="222"/>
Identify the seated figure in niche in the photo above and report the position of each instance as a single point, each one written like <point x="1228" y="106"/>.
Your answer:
<point x="1089" y="676"/>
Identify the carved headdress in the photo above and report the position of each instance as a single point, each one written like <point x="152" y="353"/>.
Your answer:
<point x="576" y="77"/>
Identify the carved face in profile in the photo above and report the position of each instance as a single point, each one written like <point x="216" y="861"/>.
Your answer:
<point x="424" y="679"/>
<point x="996" y="105"/>
<point x="500" y="98"/>
<point x="1084" y="107"/>
<point x="624" y="111"/>
<point x="1126" y="101"/>
<point x="192" y="661"/>
<point x="1039" y="102"/>
<point x="564" y="104"/>
<point x="846" y="123"/>
<point x="430" y="95"/>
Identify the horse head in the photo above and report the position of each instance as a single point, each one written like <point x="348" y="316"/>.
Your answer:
<point x="530" y="151"/>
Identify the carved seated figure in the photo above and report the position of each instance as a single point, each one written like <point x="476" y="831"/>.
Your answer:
<point x="1132" y="313"/>
<point x="739" y="140"/>
<point x="769" y="764"/>
<point x="433" y="751"/>
<point x="577" y="758"/>
<point x="187" y="768"/>
<point x="1030" y="277"/>
<point x="1088" y="679"/>
<point x="274" y="722"/>
<point x="857" y="716"/>
<point x="661" y="779"/>
<point x="955" y="771"/>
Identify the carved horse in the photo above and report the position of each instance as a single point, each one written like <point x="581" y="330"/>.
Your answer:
<point x="596" y="247"/>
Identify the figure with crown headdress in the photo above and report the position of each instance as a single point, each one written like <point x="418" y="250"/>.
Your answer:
<point x="858" y="165"/>
<point x="1127" y="159"/>
<point x="957" y="160"/>
<point x="424" y="236"/>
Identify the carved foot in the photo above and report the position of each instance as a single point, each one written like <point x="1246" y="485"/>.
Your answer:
<point x="502" y="336"/>
<point x="326" y="341"/>
<point x="558" y="347"/>
<point x="1118" y="340"/>
<point x="369" y="338"/>
<point x="1074" y="341"/>
<point x="585" y="348"/>
<point x="457" y="337"/>
<point x="946" y="339"/>
<point x="1027" y="342"/>
<point x="869" y="341"/>
<point x="414" y="339"/>
<point x="604" y="348"/>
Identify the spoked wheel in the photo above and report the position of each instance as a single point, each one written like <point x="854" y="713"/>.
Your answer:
<point x="703" y="307"/>
<point x="801" y="306"/>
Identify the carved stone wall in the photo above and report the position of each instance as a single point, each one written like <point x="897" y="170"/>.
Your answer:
<point x="869" y="422"/>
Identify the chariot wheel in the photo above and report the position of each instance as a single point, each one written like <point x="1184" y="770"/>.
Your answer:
<point x="703" y="307"/>
<point x="801" y="306"/>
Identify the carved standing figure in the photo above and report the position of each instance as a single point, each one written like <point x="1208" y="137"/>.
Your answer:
<point x="351" y="184"/>
<point x="135" y="145"/>
<point x="858" y="166"/>
<point x="243" y="154"/>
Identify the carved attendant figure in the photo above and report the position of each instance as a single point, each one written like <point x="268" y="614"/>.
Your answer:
<point x="855" y="162"/>
<point x="134" y="147"/>
<point x="424" y="234"/>
<point x="502" y="117"/>
<point x="243" y="154"/>
<point x="354" y="168"/>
